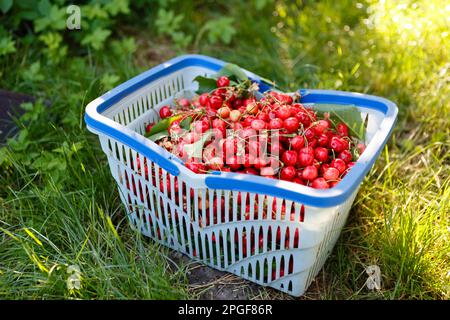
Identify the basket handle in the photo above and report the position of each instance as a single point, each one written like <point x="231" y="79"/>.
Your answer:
<point x="387" y="107"/>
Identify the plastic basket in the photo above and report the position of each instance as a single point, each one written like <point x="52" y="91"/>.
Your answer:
<point x="169" y="203"/>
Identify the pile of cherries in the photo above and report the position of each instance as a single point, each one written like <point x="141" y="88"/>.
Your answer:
<point x="274" y="136"/>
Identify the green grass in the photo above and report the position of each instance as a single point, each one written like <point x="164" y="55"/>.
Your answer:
<point x="56" y="183"/>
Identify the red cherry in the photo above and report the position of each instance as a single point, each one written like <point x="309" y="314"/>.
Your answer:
<point x="304" y="118"/>
<point x="215" y="102"/>
<point x="361" y="147"/>
<point x="316" y="164"/>
<point x="299" y="181"/>
<point x="297" y="142"/>
<point x="337" y="144"/>
<point x="321" y="154"/>
<point x="264" y="116"/>
<point x="323" y="168"/>
<point x="320" y="183"/>
<point x="219" y="123"/>
<point x="255" y="148"/>
<point x="191" y="137"/>
<point x="233" y="163"/>
<point x="346" y="156"/>
<point x="195" y="166"/>
<point x="237" y="103"/>
<point x="248" y="101"/>
<point x="311" y="114"/>
<point x="342" y="129"/>
<point x="322" y="140"/>
<point x="275" y="124"/>
<point x="345" y="144"/>
<point x="309" y="134"/>
<point x="248" y="121"/>
<point x="289" y="158"/>
<point x="276" y="149"/>
<point x="230" y="98"/>
<point x="339" y="164"/>
<point x="220" y="92"/>
<point x="230" y="146"/>
<point x="212" y="113"/>
<point x="248" y="160"/>
<point x="247" y="133"/>
<point x="267" y="171"/>
<point x="350" y="165"/>
<point x="288" y="173"/>
<point x="275" y="163"/>
<point x="203" y="99"/>
<point x="272" y="115"/>
<point x="305" y="159"/>
<point x="334" y="183"/>
<point x="165" y="112"/>
<point x="283" y="113"/>
<point x="307" y="150"/>
<point x="291" y="124"/>
<point x="312" y="143"/>
<point x="174" y="125"/>
<point x="284" y="98"/>
<point x="223" y="81"/>
<point x="236" y="126"/>
<point x="200" y="126"/>
<point x="294" y="110"/>
<point x="260" y="163"/>
<point x="310" y="173"/>
<point x="218" y="133"/>
<point x="258" y="124"/>
<point x="320" y="127"/>
<point x="331" y="173"/>
<point x="183" y="102"/>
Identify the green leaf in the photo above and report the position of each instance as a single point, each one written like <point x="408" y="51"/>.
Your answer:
<point x="32" y="73"/>
<point x="7" y="45"/>
<point x="186" y="123"/>
<point x="54" y="19"/>
<point x="5" y="5"/>
<point x="44" y="7"/>
<point x="205" y="84"/>
<point x="220" y="29"/>
<point x="194" y="150"/>
<point x="231" y="69"/>
<point x="260" y="4"/>
<point x="118" y="6"/>
<point x="157" y="136"/>
<point x="348" y="114"/>
<point x="162" y="125"/>
<point x="109" y="80"/>
<point x="96" y="39"/>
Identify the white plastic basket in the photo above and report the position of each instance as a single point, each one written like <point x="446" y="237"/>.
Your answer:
<point x="169" y="203"/>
